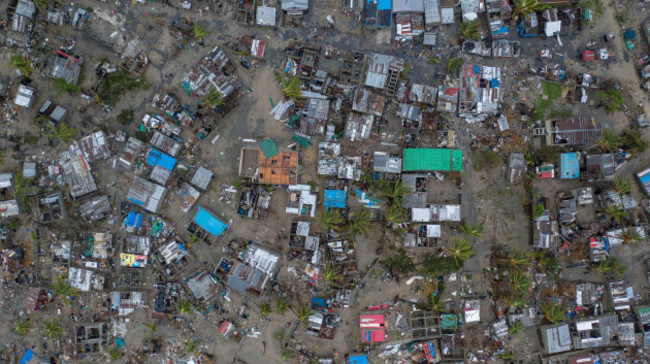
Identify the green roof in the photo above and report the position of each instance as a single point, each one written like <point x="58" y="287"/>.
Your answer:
<point x="303" y="141"/>
<point x="269" y="148"/>
<point x="429" y="159"/>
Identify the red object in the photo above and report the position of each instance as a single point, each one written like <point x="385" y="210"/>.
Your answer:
<point x="377" y="307"/>
<point x="225" y="326"/>
<point x="372" y="328"/>
<point x="66" y="55"/>
<point x="450" y="91"/>
<point x="588" y="56"/>
<point x="545" y="174"/>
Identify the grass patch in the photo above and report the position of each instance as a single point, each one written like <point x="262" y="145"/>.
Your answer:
<point x="486" y="159"/>
<point x="553" y="91"/>
<point x="595" y="5"/>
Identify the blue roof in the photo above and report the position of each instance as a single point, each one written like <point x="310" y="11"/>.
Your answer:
<point x="335" y="198"/>
<point x="27" y="356"/>
<point x="569" y="166"/>
<point x="133" y="219"/>
<point x="384" y="4"/>
<point x="318" y="302"/>
<point x="209" y="223"/>
<point x="158" y="158"/>
<point x="644" y="178"/>
<point x="359" y="359"/>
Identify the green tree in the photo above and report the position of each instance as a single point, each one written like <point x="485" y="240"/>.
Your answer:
<point x="553" y="313"/>
<point x="523" y="8"/>
<point x="60" y="85"/>
<point x="290" y="86"/>
<point x="515" y="299"/>
<point x="331" y="275"/>
<point x="630" y="235"/>
<point x="360" y="221"/>
<point x="200" y="30"/>
<point x="331" y="219"/>
<point x="469" y="229"/>
<point x="454" y="65"/>
<point x="22" y="187"/>
<point x="507" y="354"/>
<point x="53" y="329"/>
<point x="23" y="326"/>
<point x="265" y="309"/>
<point x="281" y="307"/>
<point x="633" y="141"/>
<point x="213" y="98"/>
<point x="515" y="260"/>
<point x="64" y="289"/>
<point x="434" y="304"/>
<point x="64" y="133"/>
<point x="22" y="64"/>
<point x="192" y="239"/>
<point x="612" y="99"/>
<point x="288" y="354"/>
<point x="433" y="265"/>
<point x="469" y="30"/>
<point x="460" y="251"/>
<point x="303" y="312"/>
<point x="546" y="262"/>
<point x="115" y="85"/>
<point x="125" y="117"/>
<point x="115" y="354"/>
<point x="185" y="307"/>
<point x="152" y="327"/>
<point x="538" y="211"/>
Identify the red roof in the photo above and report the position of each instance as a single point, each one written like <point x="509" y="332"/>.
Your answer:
<point x="223" y="329"/>
<point x="373" y="336"/>
<point x="371" y="321"/>
<point x="588" y="56"/>
<point x="548" y="174"/>
<point x="450" y="91"/>
<point x="258" y="47"/>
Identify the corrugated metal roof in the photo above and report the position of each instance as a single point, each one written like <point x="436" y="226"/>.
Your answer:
<point x="295" y="4"/>
<point x="160" y="175"/>
<point x="9" y="208"/>
<point x="77" y="172"/>
<point x="130" y="152"/>
<point x="430" y="159"/>
<point x="165" y="143"/>
<point x="145" y="194"/>
<point x="266" y="15"/>
<point x="202" y="178"/>
<point x="432" y="12"/>
<point x="5" y="180"/>
<point x="408" y="6"/>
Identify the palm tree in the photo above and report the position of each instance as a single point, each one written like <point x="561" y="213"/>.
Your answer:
<point x="331" y="219"/>
<point x="192" y="346"/>
<point x="360" y="221"/>
<point x="469" y="30"/>
<point x="63" y="288"/>
<point x="281" y="307"/>
<point x="23" y="326"/>
<point x="622" y="186"/>
<point x="41" y="4"/>
<point x="610" y="267"/>
<point x="609" y="141"/>
<point x="393" y="191"/>
<point x="546" y="262"/>
<point x="516" y="260"/>
<point x="64" y="133"/>
<point x="516" y="328"/>
<point x="331" y="275"/>
<point x="460" y="251"/>
<point x="152" y="327"/>
<point x="200" y="30"/>
<point x="630" y="235"/>
<point x="303" y="312"/>
<point x="53" y="329"/>
<point x="115" y="354"/>
<point x="213" y="98"/>
<point x="22" y="64"/>
<point x="553" y="313"/>
<point x="520" y="282"/>
<point x="523" y="8"/>
<point x="434" y="304"/>
<point x="473" y="230"/>
<point x="400" y="262"/>
<point x="453" y="65"/>
<point x="394" y="215"/>
<point x="290" y="86"/>
<point x="265" y="309"/>
<point x="615" y="213"/>
<point x="185" y="307"/>
<point x="22" y="187"/>
<point x="507" y="354"/>
<point x="192" y="238"/>
<point x="515" y="299"/>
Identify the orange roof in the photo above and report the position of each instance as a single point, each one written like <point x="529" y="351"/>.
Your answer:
<point x="281" y="169"/>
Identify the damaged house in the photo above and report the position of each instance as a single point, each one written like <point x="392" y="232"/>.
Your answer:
<point x="211" y="72"/>
<point x="480" y="92"/>
<point x="384" y="72"/>
<point x="77" y="173"/>
<point x="253" y="273"/>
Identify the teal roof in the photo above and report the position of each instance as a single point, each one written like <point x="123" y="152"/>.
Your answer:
<point x="269" y="148"/>
<point x="430" y="159"/>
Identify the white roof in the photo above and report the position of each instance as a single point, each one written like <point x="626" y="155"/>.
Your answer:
<point x="447" y="15"/>
<point x="433" y="231"/>
<point x="24" y="96"/>
<point x="5" y="180"/>
<point x="9" y="208"/>
<point x="552" y="27"/>
<point x="420" y="214"/>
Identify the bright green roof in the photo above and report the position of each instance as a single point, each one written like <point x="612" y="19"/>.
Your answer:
<point x="269" y="148"/>
<point x="429" y="159"/>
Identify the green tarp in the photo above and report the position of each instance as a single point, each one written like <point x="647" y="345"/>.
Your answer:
<point x="430" y="159"/>
<point x="269" y="148"/>
<point x="303" y="141"/>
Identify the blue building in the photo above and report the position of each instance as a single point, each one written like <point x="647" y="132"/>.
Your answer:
<point x="335" y="199"/>
<point x="569" y="166"/>
<point x="379" y="13"/>
<point x="206" y="227"/>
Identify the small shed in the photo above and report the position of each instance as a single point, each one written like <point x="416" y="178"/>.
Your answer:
<point x="25" y="96"/>
<point x="588" y="56"/>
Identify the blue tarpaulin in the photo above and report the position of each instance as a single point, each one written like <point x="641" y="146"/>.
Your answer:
<point x="318" y="302"/>
<point x="119" y="342"/>
<point x="335" y="198"/>
<point x="26" y="357"/>
<point x="209" y="223"/>
<point x="133" y="219"/>
<point x="494" y="83"/>
<point x="569" y="166"/>
<point x="158" y="158"/>
<point x="358" y="359"/>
